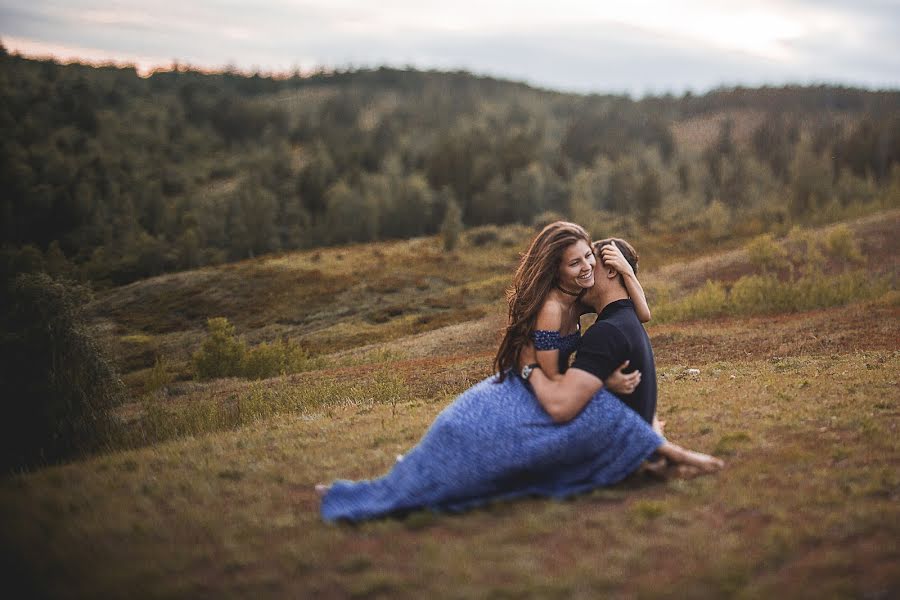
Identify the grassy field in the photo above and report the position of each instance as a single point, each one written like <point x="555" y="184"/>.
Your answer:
<point x="210" y="491"/>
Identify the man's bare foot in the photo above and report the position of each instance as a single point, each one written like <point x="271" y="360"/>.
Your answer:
<point x="322" y="489"/>
<point x="683" y="472"/>
<point x="659" y="427"/>
<point x="654" y="467"/>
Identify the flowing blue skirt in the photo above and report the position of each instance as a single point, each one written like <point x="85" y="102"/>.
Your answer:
<point x="495" y="441"/>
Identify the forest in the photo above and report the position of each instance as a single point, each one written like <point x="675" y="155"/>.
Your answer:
<point x="109" y="177"/>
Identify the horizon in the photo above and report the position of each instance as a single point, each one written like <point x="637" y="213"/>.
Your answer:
<point x="648" y="48"/>
<point x="184" y="67"/>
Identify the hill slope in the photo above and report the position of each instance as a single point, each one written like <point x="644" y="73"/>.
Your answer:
<point x="804" y="406"/>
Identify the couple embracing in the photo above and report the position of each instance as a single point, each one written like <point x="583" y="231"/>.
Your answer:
<point x="539" y="426"/>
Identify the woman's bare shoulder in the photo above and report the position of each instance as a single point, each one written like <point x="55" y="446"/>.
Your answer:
<point x="550" y="316"/>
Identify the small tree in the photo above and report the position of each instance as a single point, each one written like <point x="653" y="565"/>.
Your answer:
<point x="222" y="353"/>
<point x="766" y="254"/>
<point x="452" y="226"/>
<point x="58" y="385"/>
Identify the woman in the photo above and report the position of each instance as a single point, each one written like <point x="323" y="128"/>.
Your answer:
<point x="544" y="307"/>
<point x="496" y="440"/>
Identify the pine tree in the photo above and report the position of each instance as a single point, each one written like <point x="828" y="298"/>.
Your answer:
<point x="452" y="226"/>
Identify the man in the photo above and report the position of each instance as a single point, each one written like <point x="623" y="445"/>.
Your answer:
<point x="615" y="338"/>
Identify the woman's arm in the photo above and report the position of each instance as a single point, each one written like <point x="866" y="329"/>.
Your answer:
<point x="549" y="320"/>
<point x="610" y="255"/>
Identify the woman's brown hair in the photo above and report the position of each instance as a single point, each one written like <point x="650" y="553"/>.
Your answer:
<point x="538" y="272"/>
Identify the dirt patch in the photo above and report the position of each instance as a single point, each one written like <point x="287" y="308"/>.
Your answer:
<point x="835" y="330"/>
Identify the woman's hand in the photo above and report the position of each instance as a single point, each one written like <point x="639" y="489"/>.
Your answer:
<point x="611" y="256"/>
<point x="621" y="383"/>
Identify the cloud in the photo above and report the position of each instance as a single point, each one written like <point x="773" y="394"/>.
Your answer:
<point x="572" y="45"/>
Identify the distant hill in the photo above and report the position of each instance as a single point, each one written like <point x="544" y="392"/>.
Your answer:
<point x="110" y="177"/>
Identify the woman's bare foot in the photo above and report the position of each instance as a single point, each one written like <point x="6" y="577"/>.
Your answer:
<point x="704" y="462"/>
<point x="322" y="489"/>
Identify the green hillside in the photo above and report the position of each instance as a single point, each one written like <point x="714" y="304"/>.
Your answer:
<point x="110" y="177"/>
<point x="206" y="489"/>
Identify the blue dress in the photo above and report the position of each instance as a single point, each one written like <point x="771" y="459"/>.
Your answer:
<point x="544" y="339"/>
<point x="494" y="442"/>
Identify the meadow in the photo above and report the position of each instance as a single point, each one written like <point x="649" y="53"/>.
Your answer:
<point x="206" y="486"/>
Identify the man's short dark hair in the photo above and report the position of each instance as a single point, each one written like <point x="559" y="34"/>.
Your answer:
<point x="627" y="250"/>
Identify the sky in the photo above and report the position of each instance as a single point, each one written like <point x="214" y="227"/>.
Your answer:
<point x="637" y="47"/>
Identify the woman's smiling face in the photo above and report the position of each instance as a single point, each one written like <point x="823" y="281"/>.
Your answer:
<point x="576" y="270"/>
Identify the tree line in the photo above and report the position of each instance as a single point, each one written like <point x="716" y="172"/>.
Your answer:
<point x="110" y="177"/>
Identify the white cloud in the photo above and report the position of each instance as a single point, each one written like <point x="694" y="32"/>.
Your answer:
<point x="643" y="45"/>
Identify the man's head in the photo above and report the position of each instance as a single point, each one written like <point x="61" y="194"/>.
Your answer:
<point x="609" y="285"/>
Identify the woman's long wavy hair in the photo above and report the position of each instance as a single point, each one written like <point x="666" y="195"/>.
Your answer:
<point x="537" y="274"/>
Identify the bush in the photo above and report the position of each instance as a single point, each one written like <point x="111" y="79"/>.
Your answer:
<point x="766" y="254"/>
<point x="222" y="354"/>
<point x="484" y="235"/>
<point x="452" y="225"/>
<point x="766" y="294"/>
<point x="809" y="254"/>
<point x="708" y="301"/>
<point x="718" y="220"/>
<point x="58" y="384"/>
<point x="545" y="218"/>
<point x="840" y="244"/>
<point x="281" y="357"/>
<point x="160" y="376"/>
<point x="758" y="294"/>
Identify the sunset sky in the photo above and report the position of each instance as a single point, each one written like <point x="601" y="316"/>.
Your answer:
<point x="639" y="47"/>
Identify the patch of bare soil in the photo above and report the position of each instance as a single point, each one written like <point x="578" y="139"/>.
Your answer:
<point x="828" y="331"/>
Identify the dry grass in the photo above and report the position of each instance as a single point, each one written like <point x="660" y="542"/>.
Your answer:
<point x="803" y="406"/>
<point x="806" y="507"/>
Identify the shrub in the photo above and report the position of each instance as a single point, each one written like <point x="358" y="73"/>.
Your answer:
<point x="280" y="357"/>
<point x="708" y="301"/>
<point x="58" y="384"/>
<point x="452" y="225"/>
<point x="766" y="254"/>
<point x="766" y="294"/>
<point x="718" y="220"/>
<point x="839" y="244"/>
<point x="160" y="376"/>
<point x="753" y="294"/>
<point x="222" y="354"/>
<point x="545" y="218"/>
<point x="809" y="255"/>
<point x="484" y="235"/>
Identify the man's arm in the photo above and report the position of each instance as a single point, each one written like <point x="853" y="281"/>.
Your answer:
<point x="565" y="397"/>
<point x="603" y="348"/>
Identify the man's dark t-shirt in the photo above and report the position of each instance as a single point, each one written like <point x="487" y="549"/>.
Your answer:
<point x="618" y="336"/>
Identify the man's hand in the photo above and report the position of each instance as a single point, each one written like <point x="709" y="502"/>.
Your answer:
<point x="621" y="383"/>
